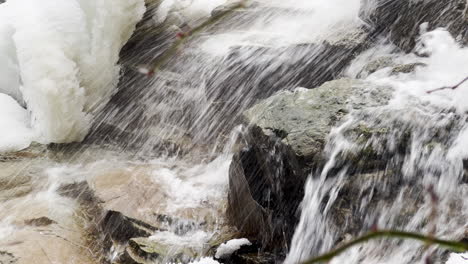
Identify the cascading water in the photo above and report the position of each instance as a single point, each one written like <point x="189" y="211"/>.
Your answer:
<point x="421" y="137"/>
<point x="155" y="150"/>
<point x="193" y="94"/>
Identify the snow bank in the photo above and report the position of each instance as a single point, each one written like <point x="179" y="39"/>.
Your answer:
<point x="226" y="249"/>
<point x="61" y="58"/>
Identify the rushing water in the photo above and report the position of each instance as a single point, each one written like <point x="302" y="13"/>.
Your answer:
<point x="165" y="141"/>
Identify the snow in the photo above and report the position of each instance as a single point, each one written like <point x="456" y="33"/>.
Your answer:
<point x="457" y="259"/>
<point x="205" y="261"/>
<point x="231" y="246"/>
<point x="60" y="57"/>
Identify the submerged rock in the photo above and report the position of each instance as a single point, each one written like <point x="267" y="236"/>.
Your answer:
<point x="147" y="250"/>
<point x="285" y="142"/>
<point x="14" y="182"/>
<point x="6" y="257"/>
<point x="407" y="68"/>
<point x="40" y="221"/>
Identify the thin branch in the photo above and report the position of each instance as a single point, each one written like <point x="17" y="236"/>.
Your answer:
<point x="184" y="36"/>
<point x="453" y="245"/>
<point x="449" y="87"/>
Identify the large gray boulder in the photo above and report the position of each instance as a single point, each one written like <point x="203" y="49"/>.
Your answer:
<point x="284" y="143"/>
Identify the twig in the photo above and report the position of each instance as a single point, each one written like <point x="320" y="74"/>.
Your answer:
<point x="449" y="87"/>
<point x="184" y="36"/>
<point x="453" y="245"/>
<point x="45" y="254"/>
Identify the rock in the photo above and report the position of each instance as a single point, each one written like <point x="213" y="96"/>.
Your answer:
<point x="146" y="250"/>
<point x="13" y="183"/>
<point x="401" y="19"/>
<point x="252" y="258"/>
<point x="465" y="175"/>
<point x="285" y="142"/>
<point x="121" y="228"/>
<point x="34" y="151"/>
<point x="125" y="234"/>
<point x="6" y="257"/>
<point x="375" y="65"/>
<point x="41" y="221"/>
<point x="407" y="68"/>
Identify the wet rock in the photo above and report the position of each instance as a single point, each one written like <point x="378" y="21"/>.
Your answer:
<point x="146" y="250"/>
<point x="32" y="152"/>
<point x="401" y="19"/>
<point x="6" y="257"/>
<point x="376" y="65"/>
<point x="13" y="185"/>
<point x="285" y="142"/>
<point x="465" y="175"/>
<point x="79" y="191"/>
<point x="121" y="228"/>
<point x="252" y="258"/>
<point x="41" y="221"/>
<point x="407" y="68"/>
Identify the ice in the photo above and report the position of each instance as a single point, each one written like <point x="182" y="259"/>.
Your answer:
<point x="61" y="58"/>
<point x="15" y="133"/>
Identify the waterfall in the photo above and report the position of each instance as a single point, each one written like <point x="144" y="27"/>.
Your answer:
<point x="129" y="127"/>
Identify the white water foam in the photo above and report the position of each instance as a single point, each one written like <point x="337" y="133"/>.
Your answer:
<point x="195" y="186"/>
<point x="60" y="57"/>
<point x="280" y="23"/>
